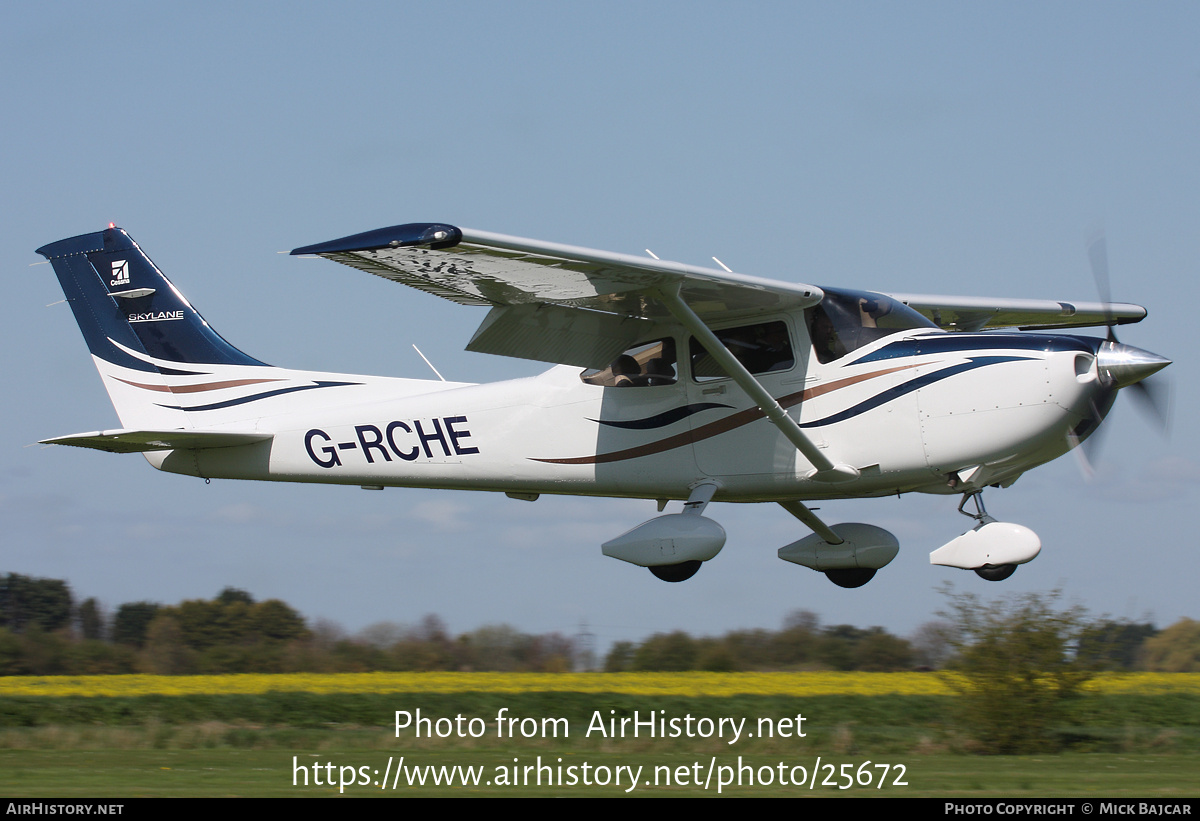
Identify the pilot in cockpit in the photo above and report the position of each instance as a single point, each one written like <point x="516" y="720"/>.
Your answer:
<point x="824" y="336"/>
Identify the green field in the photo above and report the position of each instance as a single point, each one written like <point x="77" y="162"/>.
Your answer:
<point x="231" y="772"/>
<point x="1114" y="745"/>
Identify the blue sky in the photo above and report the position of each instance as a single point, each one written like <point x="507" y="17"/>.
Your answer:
<point x="921" y="147"/>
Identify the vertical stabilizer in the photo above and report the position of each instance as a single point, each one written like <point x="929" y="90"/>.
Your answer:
<point x="143" y="333"/>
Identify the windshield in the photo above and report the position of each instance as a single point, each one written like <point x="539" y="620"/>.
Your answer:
<point x="847" y="320"/>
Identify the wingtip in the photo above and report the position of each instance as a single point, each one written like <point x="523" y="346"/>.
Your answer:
<point x="432" y="234"/>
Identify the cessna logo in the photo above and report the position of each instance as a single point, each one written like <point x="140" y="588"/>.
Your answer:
<point x="154" y="316"/>
<point x="120" y="272"/>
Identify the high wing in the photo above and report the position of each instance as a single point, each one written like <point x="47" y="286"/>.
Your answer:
<point x="551" y="302"/>
<point x="578" y="306"/>
<point x="963" y="313"/>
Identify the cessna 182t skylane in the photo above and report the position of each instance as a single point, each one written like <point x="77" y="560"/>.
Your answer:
<point x="672" y="382"/>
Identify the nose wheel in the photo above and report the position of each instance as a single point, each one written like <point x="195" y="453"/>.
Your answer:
<point x="989" y="572"/>
<point x="992" y="549"/>
<point x="995" y="572"/>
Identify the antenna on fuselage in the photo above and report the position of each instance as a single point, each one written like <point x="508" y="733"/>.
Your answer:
<point x="728" y="270"/>
<point x="427" y="362"/>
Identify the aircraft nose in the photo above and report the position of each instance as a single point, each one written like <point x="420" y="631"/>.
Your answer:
<point x="1124" y="365"/>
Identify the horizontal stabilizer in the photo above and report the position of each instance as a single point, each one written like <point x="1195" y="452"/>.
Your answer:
<point x="141" y="441"/>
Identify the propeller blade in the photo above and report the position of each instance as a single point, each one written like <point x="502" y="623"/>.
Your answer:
<point x="1084" y="454"/>
<point x="1097" y="251"/>
<point x="1085" y="439"/>
<point x="1154" y="397"/>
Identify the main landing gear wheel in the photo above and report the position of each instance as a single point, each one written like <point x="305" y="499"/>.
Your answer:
<point x="676" y="572"/>
<point x="996" y="573"/>
<point x="851" y="577"/>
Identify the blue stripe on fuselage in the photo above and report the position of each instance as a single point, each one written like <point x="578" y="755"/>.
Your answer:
<point x="959" y="342"/>
<point x="244" y="399"/>
<point x="910" y="386"/>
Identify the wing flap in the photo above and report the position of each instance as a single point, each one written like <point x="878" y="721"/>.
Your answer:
<point x="142" y="441"/>
<point x="553" y="333"/>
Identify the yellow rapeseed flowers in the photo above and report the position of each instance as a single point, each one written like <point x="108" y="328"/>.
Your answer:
<point x="651" y="684"/>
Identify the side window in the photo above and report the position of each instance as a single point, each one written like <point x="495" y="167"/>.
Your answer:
<point x="642" y="366"/>
<point x="762" y="348"/>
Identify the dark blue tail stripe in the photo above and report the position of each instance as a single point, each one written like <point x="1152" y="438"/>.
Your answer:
<point x="161" y="324"/>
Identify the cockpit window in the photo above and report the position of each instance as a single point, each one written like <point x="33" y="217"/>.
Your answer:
<point x="642" y="366"/>
<point x="762" y="348"/>
<point x="847" y="320"/>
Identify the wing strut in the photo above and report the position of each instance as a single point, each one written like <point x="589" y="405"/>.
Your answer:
<point x="826" y="470"/>
<point x="810" y="519"/>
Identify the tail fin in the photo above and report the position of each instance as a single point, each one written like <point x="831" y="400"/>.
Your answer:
<point x="140" y="329"/>
<point x="122" y="302"/>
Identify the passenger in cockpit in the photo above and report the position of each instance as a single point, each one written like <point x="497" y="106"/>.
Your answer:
<point x="625" y="371"/>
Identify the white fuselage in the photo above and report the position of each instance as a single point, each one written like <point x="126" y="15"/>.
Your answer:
<point x="919" y="410"/>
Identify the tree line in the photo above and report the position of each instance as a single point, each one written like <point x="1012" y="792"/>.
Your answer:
<point x="43" y="631"/>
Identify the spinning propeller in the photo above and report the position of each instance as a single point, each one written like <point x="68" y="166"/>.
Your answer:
<point x="1119" y="366"/>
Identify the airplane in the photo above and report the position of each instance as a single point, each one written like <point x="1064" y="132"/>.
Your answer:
<point x="671" y="382"/>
